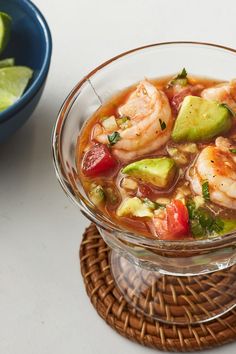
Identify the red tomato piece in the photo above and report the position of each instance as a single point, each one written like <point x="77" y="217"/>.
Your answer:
<point x="144" y="191"/>
<point x="97" y="160"/>
<point x="178" y="98"/>
<point x="173" y="223"/>
<point x="177" y="218"/>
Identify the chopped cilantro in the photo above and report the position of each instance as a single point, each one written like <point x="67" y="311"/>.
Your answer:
<point x="196" y="228"/>
<point x="233" y="151"/>
<point x="113" y="138"/>
<point x="201" y="222"/>
<point x="162" y="124"/>
<point x="152" y="205"/>
<point x="205" y="191"/>
<point x="182" y="75"/>
<point x="180" y="78"/>
<point x="218" y="225"/>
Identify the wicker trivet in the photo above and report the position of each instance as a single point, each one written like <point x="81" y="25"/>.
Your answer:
<point x="112" y="307"/>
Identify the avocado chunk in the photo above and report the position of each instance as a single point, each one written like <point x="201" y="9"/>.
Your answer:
<point x="134" y="207"/>
<point x="229" y="226"/>
<point x="157" y="171"/>
<point x="200" y="119"/>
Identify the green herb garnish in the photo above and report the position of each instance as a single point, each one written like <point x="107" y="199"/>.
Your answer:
<point x="202" y="223"/>
<point x="152" y="205"/>
<point x="228" y="108"/>
<point x="182" y="75"/>
<point x="218" y="225"/>
<point x="180" y="79"/>
<point x="233" y="151"/>
<point x="196" y="228"/>
<point x="162" y="124"/>
<point x="205" y="191"/>
<point x="113" y="138"/>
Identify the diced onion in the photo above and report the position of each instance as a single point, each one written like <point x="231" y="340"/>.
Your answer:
<point x="163" y="201"/>
<point x="199" y="201"/>
<point x="179" y="157"/>
<point x="190" y="148"/>
<point x="128" y="183"/>
<point x="109" y="124"/>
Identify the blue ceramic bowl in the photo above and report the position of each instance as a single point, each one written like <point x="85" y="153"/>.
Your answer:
<point x="30" y="45"/>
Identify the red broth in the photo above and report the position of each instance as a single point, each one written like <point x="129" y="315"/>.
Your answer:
<point x="180" y="188"/>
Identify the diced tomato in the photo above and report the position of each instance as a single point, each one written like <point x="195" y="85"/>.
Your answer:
<point x="178" y="98"/>
<point x="173" y="223"/>
<point x="177" y="218"/>
<point x="97" y="160"/>
<point x="144" y="191"/>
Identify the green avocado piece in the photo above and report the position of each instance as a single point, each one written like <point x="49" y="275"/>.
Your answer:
<point x="229" y="226"/>
<point x="200" y="119"/>
<point x="157" y="171"/>
<point x="134" y="206"/>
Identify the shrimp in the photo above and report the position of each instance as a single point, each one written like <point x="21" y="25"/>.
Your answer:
<point x="150" y="123"/>
<point x="217" y="165"/>
<point x="224" y="93"/>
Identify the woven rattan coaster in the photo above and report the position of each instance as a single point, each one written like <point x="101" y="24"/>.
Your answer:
<point x="113" y="308"/>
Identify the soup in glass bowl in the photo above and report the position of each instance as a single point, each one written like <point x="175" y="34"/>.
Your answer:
<point x="147" y="151"/>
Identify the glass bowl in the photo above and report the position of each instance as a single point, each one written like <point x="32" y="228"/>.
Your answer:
<point x="147" y="261"/>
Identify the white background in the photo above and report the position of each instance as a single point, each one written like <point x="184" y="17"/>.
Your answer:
<point x="43" y="305"/>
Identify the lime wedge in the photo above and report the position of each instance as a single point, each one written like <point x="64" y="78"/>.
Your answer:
<point x="13" y="82"/>
<point x="5" y="30"/>
<point x="6" y="100"/>
<point x="7" y="62"/>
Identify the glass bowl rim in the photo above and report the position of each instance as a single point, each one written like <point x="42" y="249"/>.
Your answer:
<point x="214" y="242"/>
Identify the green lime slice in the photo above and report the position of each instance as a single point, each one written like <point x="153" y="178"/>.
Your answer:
<point x="13" y="82"/>
<point x="7" y="62"/>
<point x="5" y="30"/>
<point x="6" y="100"/>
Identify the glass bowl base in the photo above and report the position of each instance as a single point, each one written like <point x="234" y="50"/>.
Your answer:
<point x="171" y="299"/>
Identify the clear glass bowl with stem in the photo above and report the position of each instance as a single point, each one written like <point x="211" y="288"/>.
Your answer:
<point x="141" y="265"/>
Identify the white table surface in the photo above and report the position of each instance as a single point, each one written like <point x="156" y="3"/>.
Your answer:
<point x="43" y="305"/>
